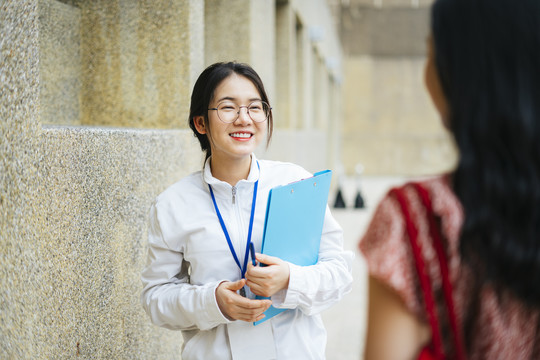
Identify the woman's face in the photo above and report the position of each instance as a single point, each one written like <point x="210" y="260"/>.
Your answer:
<point x="238" y="139"/>
<point x="433" y="84"/>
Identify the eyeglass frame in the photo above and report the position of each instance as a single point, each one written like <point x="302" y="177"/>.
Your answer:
<point x="247" y="110"/>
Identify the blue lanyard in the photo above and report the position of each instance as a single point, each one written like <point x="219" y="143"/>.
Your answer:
<point x="224" y="228"/>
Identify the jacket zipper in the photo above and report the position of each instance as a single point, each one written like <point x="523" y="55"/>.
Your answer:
<point x="234" y="195"/>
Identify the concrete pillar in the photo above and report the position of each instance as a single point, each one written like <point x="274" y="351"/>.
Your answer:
<point x="286" y="67"/>
<point x="306" y="42"/>
<point x="243" y="31"/>
<point x="301" y="96"/>
<point x="335" y="124"/>
<point x="19" y="159"/>
<point x="322" y="95"/>
<point x="308" y="83"/>
<point x="60" y="62"/>
<point x="74" y="203"/>
<point x="121" y="62"/>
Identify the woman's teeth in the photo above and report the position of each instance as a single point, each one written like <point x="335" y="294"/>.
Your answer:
<point x="241" y="135"/>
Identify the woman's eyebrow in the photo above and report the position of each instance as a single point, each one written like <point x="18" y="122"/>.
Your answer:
<point x="234" y="99"/>
<point x="226" y="98"/>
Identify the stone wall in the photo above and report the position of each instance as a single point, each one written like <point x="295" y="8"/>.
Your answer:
<point x="119" y="63"/>
<point x="93" y="109"/>
<point x="73" y="205"/>
<point x="95" y="189"/>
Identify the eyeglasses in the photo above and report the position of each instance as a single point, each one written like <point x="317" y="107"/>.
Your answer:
<point x="228" y="112"/>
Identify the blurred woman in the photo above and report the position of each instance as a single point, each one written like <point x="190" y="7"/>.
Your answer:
<point x="483" y="75"/>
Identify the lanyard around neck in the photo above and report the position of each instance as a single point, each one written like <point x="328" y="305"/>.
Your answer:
<point x="224" y="228"/>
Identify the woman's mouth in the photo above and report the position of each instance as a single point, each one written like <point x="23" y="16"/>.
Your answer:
<point x="241" y="135"/>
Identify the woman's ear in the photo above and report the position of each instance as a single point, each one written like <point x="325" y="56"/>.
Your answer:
<point x="199" y="123"/>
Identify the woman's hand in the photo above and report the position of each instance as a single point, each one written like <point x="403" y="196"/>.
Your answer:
<point x="267" y="280"/>
<point x="237" y="307"/>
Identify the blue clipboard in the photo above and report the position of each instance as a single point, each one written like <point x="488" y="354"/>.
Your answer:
<point x="294" y="222"/>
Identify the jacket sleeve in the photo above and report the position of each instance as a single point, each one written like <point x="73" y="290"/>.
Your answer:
<point x="315" y="288"/>
<point x="168" y="297"/>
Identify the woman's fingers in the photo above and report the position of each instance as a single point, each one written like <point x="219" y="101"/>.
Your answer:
<point x="250" y="310"/>
<point x="234" y="285"/>
<point x="267" y="280"/>
<point x="236" y="307"/>
<point x="267" y="259"/>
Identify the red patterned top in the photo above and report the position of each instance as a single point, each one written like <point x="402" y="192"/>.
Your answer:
<point x="493" y="327"/>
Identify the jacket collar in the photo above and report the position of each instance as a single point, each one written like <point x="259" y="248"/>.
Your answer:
<point x="253" y="176"/>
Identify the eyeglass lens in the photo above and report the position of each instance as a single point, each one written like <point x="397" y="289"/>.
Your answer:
<point x="258" y="111"/>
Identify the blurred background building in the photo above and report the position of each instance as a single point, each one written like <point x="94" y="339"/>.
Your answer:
<point x="390" y="125"/>
<point x="94" y="98"/>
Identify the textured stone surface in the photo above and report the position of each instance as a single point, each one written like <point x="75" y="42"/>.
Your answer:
<point x="136" y="61"/>
<point x="243" y="31"/>
<point x="73" y="207"/>
<point x="121" y="62"/>
<point x="220" y="44"/>
<point x="287" y="61"/>
<point x="18" y="177"/>
<point x="97" y="185"/>
<point x="60" y="62"/>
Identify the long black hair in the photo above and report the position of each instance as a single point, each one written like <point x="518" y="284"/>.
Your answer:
<point x="487" y="54"/>
<point x="203" y="93"/>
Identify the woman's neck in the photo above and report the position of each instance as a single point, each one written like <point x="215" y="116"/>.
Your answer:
<point x="230" y="171"/>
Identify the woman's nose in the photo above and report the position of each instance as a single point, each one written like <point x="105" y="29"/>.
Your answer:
<point x="243" y="115"/>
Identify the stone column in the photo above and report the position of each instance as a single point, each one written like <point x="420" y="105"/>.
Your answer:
<point x="19" y="170"/>
<point x="121" y="62"/>
<point x="286" y="103"/>
<point x="74" y="200"/>
<point x="243" y="31"/>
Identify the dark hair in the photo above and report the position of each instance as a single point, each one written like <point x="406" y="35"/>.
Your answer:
<point x="487" y="54"/>
<point x="203" y="93"/>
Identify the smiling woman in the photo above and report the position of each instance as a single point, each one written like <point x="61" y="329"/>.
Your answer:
<point x="215" y="96"/>
<point x="232" y="132"/>
<point x="198" y="278"/>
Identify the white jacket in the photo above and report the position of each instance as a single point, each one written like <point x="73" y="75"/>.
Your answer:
<point x="188" y="257"/>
